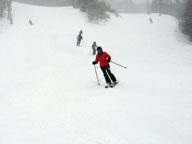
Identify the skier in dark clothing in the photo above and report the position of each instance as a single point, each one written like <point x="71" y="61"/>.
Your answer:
<point x="104" y="59"/>
<point x="94" y="46"/>
<point x="150" y="19"/>
<point x="30" y="22"/>
<point x="79" y="38"/>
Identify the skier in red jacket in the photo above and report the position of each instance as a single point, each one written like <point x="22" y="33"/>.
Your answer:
<point x="104" y="59"/>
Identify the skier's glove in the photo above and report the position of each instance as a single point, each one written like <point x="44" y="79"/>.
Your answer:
<point x="94" y="62"/>
<point x="108" y="59"/>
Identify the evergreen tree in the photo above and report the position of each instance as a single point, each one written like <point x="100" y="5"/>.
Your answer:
<point x="95" y="9"/>
<point x="186" y="19"/>
<point x="170" y="7"/>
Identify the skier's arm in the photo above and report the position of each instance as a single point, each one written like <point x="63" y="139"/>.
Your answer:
<point x="96" y="60"/>
<point x="108" y="57"/>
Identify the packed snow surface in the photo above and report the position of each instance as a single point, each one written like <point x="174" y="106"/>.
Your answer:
<point x="48" y="87"/>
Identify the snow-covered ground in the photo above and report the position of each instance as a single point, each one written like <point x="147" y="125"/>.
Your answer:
<point x="48" y="87"/>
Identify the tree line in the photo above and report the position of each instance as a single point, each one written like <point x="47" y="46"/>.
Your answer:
<point x="181" y="9"/>
<point x="170" y="7"/>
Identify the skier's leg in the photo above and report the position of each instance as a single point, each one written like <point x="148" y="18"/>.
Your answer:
<point x="94" y="51"/>
<point x="113" y="78"/>
<point x="78" y="42"/>
<point x="107" y="79"/>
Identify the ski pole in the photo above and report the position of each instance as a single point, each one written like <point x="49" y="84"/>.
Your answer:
<point x="96" y="75"/>
<point x="90" y="51"/>
<point x="118" y="64"/>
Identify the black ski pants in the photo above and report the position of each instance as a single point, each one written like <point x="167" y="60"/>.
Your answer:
<point x="107" y="74"/>
<point x="78" y="42"/>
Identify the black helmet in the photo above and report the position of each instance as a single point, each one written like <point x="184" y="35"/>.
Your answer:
<point x="99" y="49"/>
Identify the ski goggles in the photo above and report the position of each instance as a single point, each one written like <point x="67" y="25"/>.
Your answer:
<point x="99" y="50"/>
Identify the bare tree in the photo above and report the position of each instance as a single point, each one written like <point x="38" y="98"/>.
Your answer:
<point x="9" y="9"/>
<point x="6" y="5"/>
<point x="2" y="7"/>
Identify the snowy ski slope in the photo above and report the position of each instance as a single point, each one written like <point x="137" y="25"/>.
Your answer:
<point x="49" y="92"/>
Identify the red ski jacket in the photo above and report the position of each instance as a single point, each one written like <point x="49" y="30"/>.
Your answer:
<point x="102" y="59"/>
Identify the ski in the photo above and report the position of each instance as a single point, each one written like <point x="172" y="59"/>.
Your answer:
<point x="107" y="86"/>
<point x="111" y="85"/>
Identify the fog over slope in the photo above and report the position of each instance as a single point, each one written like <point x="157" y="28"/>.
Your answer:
<point x="46" y="2"/>
<point x="140" y="6"/>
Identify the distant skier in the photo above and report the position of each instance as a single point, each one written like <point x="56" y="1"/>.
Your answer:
<point x="94" y="46"/>
<point x="30" y="22"/>
<point x="79" y="38"/>
<point x="150" y="19"/>
<point x="104" y="59"/>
